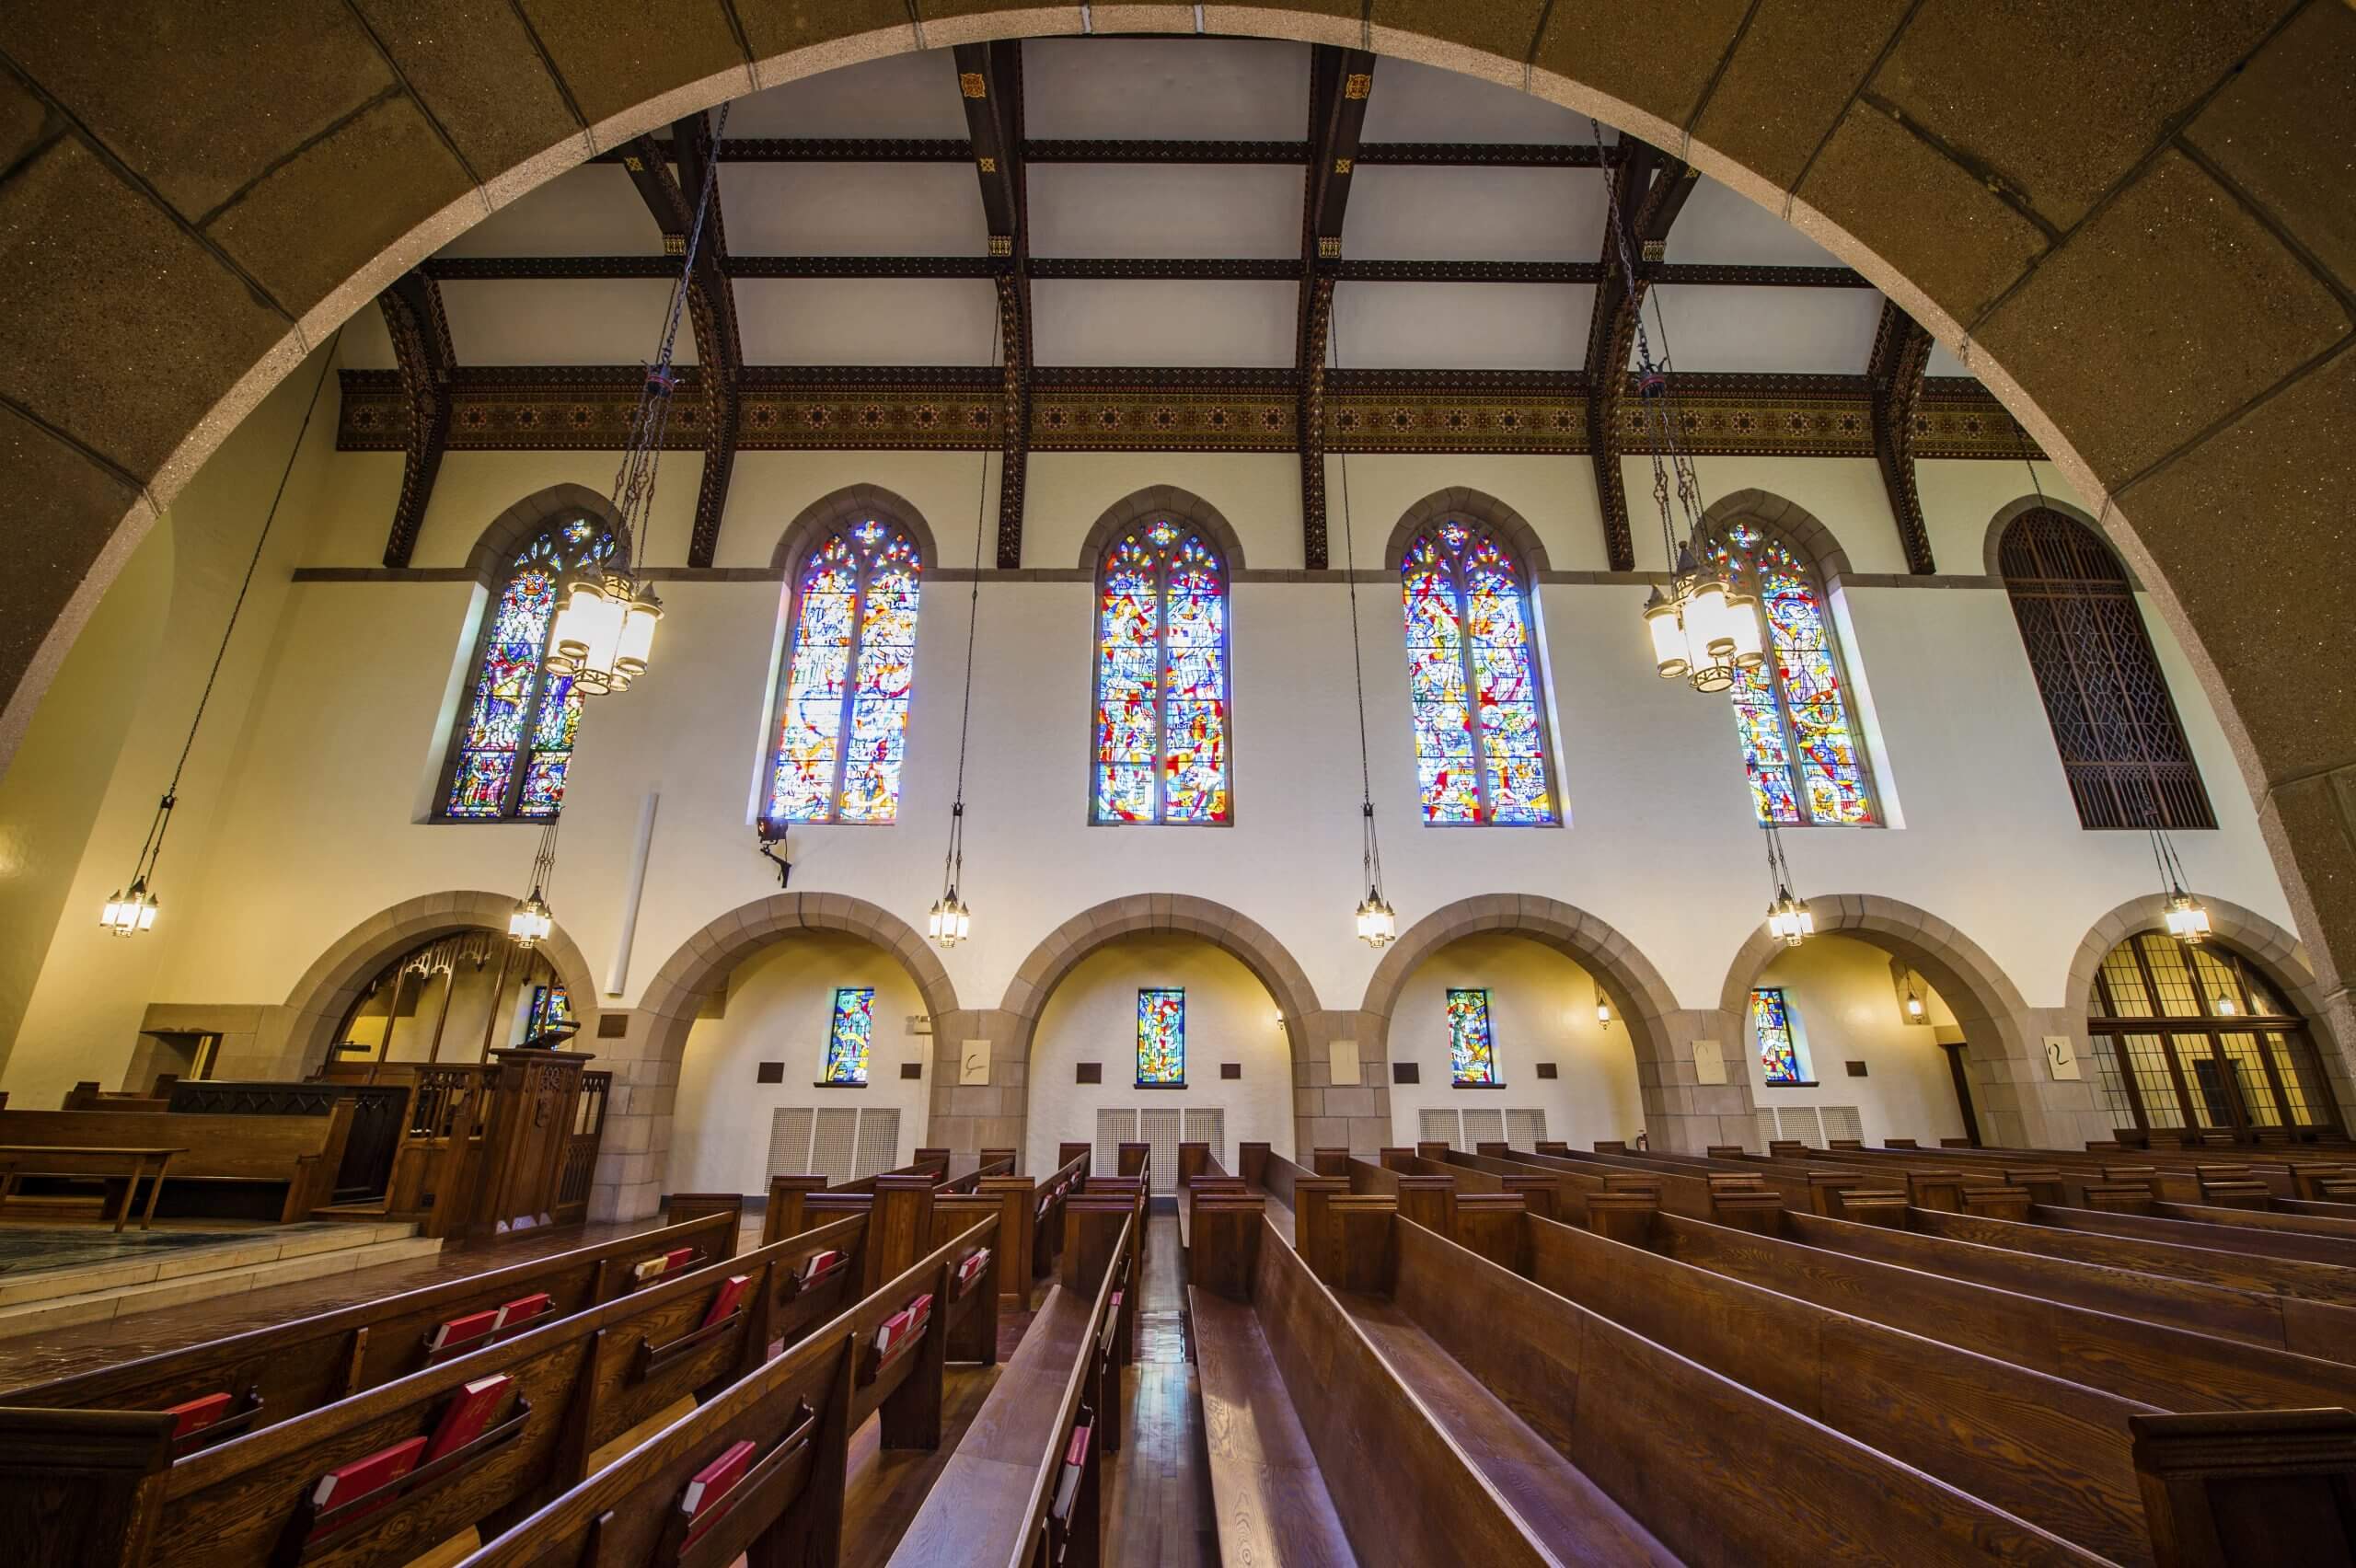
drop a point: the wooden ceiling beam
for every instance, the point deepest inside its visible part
(412, 305)
(1340, 81)
(1894, 376)
(990, 77)
(1650, 188)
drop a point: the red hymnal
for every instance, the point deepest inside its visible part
(677, 1258)
(900, 1325)
(819, 1264)
(972, 1267)
(732, 1291)
(523, 1309)
(468, 1412)
(710, 1484)
(1075, 1466)
(458, 1330)
(356, 1481)
(197, 1414)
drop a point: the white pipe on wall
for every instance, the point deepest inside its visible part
(618, 976)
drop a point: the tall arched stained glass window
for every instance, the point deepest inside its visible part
(1799, 738)
(1779, 1047)
(1162, 678)
(2122, 748)
(1472, 680)
(513, 740)
(843, 725)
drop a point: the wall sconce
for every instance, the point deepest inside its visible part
(1602, 1012)
(770, 831)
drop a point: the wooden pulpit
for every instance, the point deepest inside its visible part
(534, 1100)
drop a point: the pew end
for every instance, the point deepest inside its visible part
(2275, 1486)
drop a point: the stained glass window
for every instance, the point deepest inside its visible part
(1799, 741)
(2123, 752)
(1162, 1037)
(1473, 683)
(552, 1009)
(514, 739)
(1162, 678)
(1472, 1054)
(1779, 1049)
(850, 1035)
(843, 725)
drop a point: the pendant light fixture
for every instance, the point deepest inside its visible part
(532, 920)
(604, 634)
(1788, 919)
(1378, 923)
(133, 908)
(950, 920)
(1704, 627)
(2186, 916)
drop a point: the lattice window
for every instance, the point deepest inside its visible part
(1162, 678)
(2197, 1034)
(843, 718)
(790, 1140)
(1439, 1127)
(1158, 1129)
(1481, 754)
(879, 1141)
(1842, 1122)
(2114, 722)
(1801, 1121)
(1525, 1130)
(1208, 1124)
(834, 1147)
(513, 741)
(1483, 1126)
(1113, 1128)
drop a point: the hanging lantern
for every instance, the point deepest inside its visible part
(1914, 1007)
(1788, 919)
(1602, 1013)
(2187, 919)
(127, 915)
(1668, 636)
(531, 920)
(1378, 922)
(951, 922)
(604, 631)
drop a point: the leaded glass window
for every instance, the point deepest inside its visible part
(1162, 678)
(1799, 739)
(2123, 749)
(1471, 1050)
(1473, 683)
(849, 1035)
(1162, 1037)
(1779, 1046)
(842, 730)
(513, 740)
(550, 1008)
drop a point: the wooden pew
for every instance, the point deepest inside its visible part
(1272, 1175)
(800, 1408)
(1024, 1488)
(2185, 1230)
(283, 1370)
(270, 1166)
(797, 1202)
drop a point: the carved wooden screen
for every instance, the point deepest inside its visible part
(2113, 721)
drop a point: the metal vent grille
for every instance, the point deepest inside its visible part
(832, 1147)
(1113, 1128)
(1438, 1126)
(1208, 1124)
(1525, 1130)
(790, 1140)
(1159, 1131)
(1767, 1133)
(1483, 1126)
(879, 1142)
(1801, 1121)
(1842, 1122)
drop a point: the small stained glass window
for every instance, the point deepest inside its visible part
(1162, 679)
(850, 1035)
(552, 1009)
(1799, 740)
(1473, 683)
(513, 740)
(1471, 1052)
(1162, 1037)
(1779, 1049)
(844, 720)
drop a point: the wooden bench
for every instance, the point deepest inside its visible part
(278, 1168)
(1024, 1485)
(128, 1165)
(285, 1369)
(579, 1384)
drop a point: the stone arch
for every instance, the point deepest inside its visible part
(1989, 1008)
(636, 1152)
(1789, 522)
(329, 987)
(850, 504)
(507, 533)
(1162, 497)
(1682, 1113)
(998, 1115)
(1992, 546)
(1457, 501)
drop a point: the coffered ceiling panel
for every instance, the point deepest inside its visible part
(1164, 210)
(1717, 224)
(1092, 322)
(590, 211)
(903, 95)
(851, 209)
(1424, 103)
(560, 321)
(1463, 326)
(1399, 212)
(867, 320)
(1822, 331)
(1165, 89)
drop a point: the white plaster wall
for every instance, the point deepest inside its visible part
(778, 1007)
(1541, 1008)
(1093, 1016)
(1848, 1008)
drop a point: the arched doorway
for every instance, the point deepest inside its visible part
(2189, 1044)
